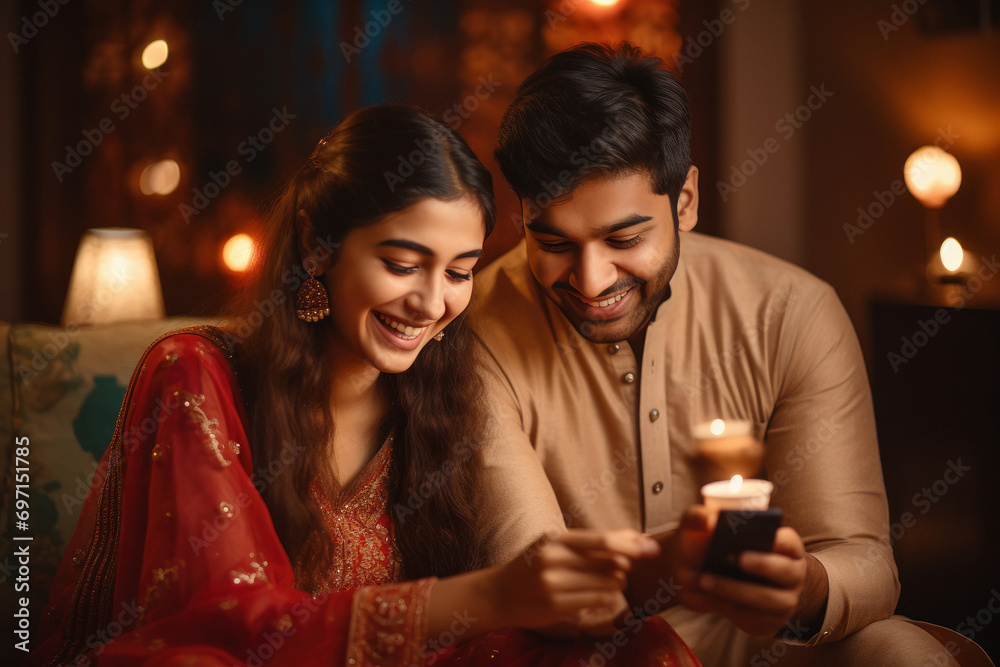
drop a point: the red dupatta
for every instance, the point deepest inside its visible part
(175, 555)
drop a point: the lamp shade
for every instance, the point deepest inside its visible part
(114, 278)
(932, 176)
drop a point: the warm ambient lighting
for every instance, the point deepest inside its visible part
(237, 252)
(114, 279)
(160, 178)
(951, 254)
(605, 3)
(155, 54)
(736, 483)
(932, 176)
(717, 427)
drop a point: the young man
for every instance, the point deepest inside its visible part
(614, 334)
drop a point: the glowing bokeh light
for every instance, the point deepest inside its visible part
(160, 178)
(952, 254)
(155, 54)
(932, 175)
(736, 483)
(238, 252)
(717, 427)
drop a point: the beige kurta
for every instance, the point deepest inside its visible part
(742, 336)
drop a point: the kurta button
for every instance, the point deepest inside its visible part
(613, 348)
(657, 487)
(654, 414)
(628, 378)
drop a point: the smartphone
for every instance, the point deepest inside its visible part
(738, 531)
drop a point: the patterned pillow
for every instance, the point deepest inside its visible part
(65, 386)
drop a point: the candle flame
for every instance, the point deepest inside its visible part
(736, 483)
(717, 427)
(951, 254)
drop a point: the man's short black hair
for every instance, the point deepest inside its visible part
(595, 110)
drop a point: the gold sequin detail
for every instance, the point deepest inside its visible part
(169, 360)
(227, 509)
(160, 451)
(209, 427)
(255, 574)
(161, 578)
(78, 558)
(226, 605)
(235, 446)
(284, 624)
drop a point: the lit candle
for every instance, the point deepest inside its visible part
(737, 494)
(727, 448)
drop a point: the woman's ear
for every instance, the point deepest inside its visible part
(305, 233)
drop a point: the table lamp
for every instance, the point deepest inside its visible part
(933, 176)
(114, 279)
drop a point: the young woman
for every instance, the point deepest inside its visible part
(289, 489)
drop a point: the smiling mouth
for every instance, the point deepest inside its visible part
(604, 303)
(404, 331)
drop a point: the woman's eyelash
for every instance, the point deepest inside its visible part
(399, 268)
(407, 270)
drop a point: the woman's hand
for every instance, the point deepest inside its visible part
(573, 577)
(562, 578)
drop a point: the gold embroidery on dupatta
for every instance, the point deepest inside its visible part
(161, 578)
(209, 427)
(254, 574)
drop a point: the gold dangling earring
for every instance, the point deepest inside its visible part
(439, 336)
(312, 302)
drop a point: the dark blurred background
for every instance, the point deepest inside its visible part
(844, 91)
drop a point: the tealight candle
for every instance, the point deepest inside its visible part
(727, 448)
(737, 494)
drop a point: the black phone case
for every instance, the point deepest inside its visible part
(738, 531)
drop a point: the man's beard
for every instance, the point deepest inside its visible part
(653, 293)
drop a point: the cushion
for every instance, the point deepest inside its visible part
(65, 386)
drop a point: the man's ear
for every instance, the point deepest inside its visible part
(687, 201)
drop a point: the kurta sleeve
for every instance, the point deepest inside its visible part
(517, 505)
(200, 571)
(822, 439)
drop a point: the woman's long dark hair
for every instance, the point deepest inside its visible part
(377, 161)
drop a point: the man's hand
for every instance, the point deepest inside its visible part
(798, 592)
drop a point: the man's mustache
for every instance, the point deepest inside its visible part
(619, 286)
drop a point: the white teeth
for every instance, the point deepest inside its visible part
(605, 303)
(406, 332)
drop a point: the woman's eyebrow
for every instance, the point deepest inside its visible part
(424, 250)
